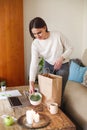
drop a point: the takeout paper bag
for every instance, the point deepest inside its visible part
(50, 86)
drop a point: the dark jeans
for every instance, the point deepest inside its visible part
(63, 71)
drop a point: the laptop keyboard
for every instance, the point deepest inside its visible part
(14, 101)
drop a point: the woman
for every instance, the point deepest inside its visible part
(52, 46)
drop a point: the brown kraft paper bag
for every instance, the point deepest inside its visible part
(50, 86)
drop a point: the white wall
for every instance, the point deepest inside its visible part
(67, 16)
(85, 25)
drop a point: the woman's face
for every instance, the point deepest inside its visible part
(39, 33)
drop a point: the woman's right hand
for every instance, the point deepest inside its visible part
(31, 87)
(58, 63)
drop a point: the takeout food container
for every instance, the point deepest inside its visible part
(35, 98)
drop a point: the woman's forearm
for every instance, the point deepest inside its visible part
(31, 86)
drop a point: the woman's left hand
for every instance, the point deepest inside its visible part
(58, 63)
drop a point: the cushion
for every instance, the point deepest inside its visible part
(84, 57)
(85, 79)
(78, 61)
(76, 72)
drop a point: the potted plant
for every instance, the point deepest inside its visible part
(40, 68)
(41, 64)
(3, 85)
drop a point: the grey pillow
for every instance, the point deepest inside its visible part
(85, 79)
(77, 61)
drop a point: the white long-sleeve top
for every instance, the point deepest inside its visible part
(55, 46)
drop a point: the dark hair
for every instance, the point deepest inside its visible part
(37, 22)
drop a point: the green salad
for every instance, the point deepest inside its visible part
(35, 97)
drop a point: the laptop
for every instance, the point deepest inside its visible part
(18, 101)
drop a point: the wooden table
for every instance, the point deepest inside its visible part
(58, 121)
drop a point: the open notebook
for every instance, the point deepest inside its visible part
(9, 93)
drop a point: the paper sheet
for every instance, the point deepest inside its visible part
(5, 94)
